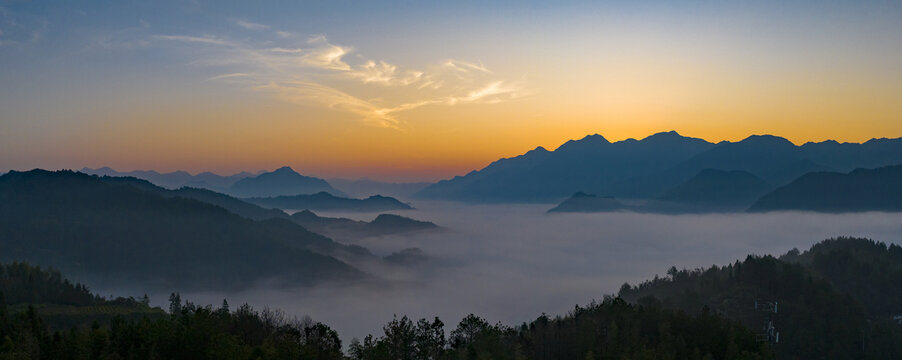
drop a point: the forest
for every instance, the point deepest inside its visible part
(836, 299)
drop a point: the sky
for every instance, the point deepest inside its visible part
(409, 91)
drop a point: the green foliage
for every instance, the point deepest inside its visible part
(825, 297)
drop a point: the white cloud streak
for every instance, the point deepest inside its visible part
(317, 73)
(251, 26)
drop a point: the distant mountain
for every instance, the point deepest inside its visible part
(122, 234)
(176, 179)
(232, 204)
(771, 158)
(647, 168)
(719, 188)
(326, 201)
(860, 190)
(709, 191)
(366, 187)
(582, 202)
(282, 181)
(384, 224)
(592, 164)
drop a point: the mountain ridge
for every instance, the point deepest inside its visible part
(646, 168)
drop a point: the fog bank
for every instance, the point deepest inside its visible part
(511, 263)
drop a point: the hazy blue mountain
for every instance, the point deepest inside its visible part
(232, 204)
(326, 201)
(860, 190)
(592, 164)
(282, 181)
(845, 157)
(383, 224)
(647, 168)
(408, 257)
(365, 187)
(719, 188)
(120, 233)
(582, 202)
(771, 158)
(176, 179)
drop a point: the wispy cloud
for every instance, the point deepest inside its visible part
(300, 92)
(228, 76)
(195, 39)
(251, 26)
(319, 72)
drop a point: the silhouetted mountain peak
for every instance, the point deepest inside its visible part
(588, 142)
(285, 170)
(766, 140)
(537, 151)
(672, 134)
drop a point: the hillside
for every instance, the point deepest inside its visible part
(326, 201)
(341, 228)
(282, 181)
(860, 190)
(118, 233)
(819, 314)
(61, 303)
(582, 202)
(719, 188)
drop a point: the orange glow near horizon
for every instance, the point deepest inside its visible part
(412, 101)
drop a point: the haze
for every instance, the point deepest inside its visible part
(512, 263)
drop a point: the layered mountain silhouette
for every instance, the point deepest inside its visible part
(719, 188)
(859, 190)
(282, 181)
(175, 179)
(326, 201)
(648, 168)
(366, 187)
(582, 202)
(383, 224)
(110, 230)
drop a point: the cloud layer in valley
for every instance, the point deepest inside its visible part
(512, 263)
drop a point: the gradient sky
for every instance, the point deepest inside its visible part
(416, 91)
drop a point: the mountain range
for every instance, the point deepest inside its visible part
(175, 179)
(343, 228)
(326, 201)
(650, 167)
(282, 181)
(125, 230)
(859, 190)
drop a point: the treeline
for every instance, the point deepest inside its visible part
(834, 301)
(192, 332)
(23, 283)
(611, 329)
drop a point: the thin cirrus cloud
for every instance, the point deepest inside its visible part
(318, 72)
(251, 26)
